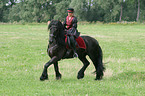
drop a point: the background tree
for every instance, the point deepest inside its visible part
(80, 9)
(61, 10)
(85, 10)
(142, 10)
(5, 5)
(138, 11)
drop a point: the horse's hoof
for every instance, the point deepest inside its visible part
(80, 76)
(43, 77)
(98, 79)
(58, 77)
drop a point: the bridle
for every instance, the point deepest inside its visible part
(52, 35)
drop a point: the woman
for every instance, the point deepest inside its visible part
(70, 24)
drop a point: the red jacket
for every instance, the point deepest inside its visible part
(71, 26)
(70, 23)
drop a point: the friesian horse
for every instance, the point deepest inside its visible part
(57, 50)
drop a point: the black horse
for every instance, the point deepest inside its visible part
(57, 50)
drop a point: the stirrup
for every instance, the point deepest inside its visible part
(75, 55)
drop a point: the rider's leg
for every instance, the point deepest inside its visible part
(73, 45)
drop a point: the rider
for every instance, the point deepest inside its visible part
(72, 32)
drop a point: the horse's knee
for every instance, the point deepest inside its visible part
(46, 66)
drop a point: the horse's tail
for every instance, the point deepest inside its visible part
(100, 55)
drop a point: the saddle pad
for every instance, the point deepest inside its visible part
(80, 41)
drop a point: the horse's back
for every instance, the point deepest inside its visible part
(92, 46)
(90, 40)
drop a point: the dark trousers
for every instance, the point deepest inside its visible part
(72, 43)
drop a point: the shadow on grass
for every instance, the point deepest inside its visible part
(130, 76)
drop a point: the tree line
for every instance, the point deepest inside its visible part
(85, 10)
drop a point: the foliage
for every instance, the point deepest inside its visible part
(85, 10)
(61, 8)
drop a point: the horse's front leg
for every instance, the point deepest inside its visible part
(44, 75)
(56, 68)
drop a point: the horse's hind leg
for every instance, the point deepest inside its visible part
(82, 70)
(56, 68)
(99, 69)
(97, 61)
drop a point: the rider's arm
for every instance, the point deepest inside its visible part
(74, 23)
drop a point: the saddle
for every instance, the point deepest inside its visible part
(79, 40)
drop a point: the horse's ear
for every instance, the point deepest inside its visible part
(59, 20)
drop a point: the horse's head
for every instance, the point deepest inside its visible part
(56, 31)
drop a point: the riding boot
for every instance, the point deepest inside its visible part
(75, 54)
(73, 45)
(74, 49)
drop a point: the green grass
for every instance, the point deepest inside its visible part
(23, 54)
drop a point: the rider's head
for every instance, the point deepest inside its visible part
(70, 12)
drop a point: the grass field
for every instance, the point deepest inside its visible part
(23, 54)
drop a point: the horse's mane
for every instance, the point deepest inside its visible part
(60, 38)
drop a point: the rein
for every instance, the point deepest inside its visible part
(50, 49)
(53, 27)
(51, 35)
